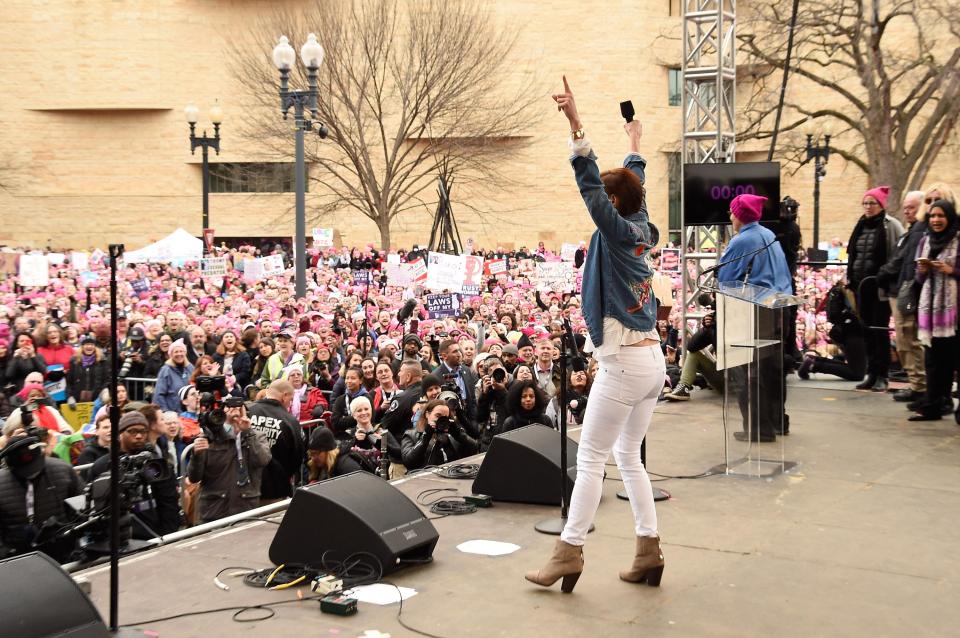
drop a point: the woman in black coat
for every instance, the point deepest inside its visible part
(526, 404)
(88, 373)
(231, 349)
(24, 360)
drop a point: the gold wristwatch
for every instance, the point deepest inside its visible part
(578, 134)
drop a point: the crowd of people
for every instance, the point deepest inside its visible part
(336, 382)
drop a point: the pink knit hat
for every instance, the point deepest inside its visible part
(880, 193)
(748, 208)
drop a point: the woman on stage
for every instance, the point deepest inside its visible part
(620, 310)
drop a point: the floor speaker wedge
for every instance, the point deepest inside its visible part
(40, 600)
(523, 466)
(357, 512)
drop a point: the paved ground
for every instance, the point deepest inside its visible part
(859, 540)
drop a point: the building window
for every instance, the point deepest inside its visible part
(252, 177)
(673, 194)
(673, 82)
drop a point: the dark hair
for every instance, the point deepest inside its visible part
(238, 344)
(445, 345)
(429, 381)
(516, 392)
(627, 187)
(151, 412)
(355, 369)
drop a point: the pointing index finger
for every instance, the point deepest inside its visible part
(566, 87)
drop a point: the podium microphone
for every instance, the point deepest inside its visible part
(626, 110)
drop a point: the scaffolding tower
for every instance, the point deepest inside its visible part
(708, 78)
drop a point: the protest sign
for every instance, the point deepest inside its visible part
(89, 279)
(9, 263)
(80, 415)
(362, 277)
(213, 267)
(568, 251)
(670, 260)
(97, 256)
(322, 237)
(55, 259)
(443, 305)
(393, 258)
(272, 264)
(34, 270)
(558, 276)
(418, 270)
(495, 266)
(79, 261)
(252, 270)
(445, 272)
(141, 285)
(56, 390)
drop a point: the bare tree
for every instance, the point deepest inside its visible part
(889, 71)
(407, 87)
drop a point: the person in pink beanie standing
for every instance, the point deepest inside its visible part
(872, 244)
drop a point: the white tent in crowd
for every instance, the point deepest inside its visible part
(177, 247)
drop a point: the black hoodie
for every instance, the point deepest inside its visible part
(285, 436)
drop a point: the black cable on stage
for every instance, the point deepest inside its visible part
(664, 477)
(445, 505)
(459, 471)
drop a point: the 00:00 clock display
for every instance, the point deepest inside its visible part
(729, 192)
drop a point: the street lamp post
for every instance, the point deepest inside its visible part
(192, 114)
(820, 154)
(284, 57)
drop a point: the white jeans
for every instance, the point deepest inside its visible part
(621, 403)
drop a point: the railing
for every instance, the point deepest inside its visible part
(139, 388)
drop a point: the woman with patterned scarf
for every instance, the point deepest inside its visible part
(938, 269)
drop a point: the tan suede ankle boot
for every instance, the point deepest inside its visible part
(566, 562)
(647, 564)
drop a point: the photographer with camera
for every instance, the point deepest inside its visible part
(133, 353)
(24, 361)
(34, 409)
(156, 505)
(33, 487)
(451, 369)
(228, 461)
(436, 439)
(492, 409)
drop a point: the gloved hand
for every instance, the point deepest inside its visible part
(72, 403)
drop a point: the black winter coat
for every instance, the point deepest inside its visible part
(91, 379)
(18, 368)
(56, 483)
(285, 437)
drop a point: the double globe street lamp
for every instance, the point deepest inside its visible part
(284, 57)
(192, 114)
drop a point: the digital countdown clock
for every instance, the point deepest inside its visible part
(708, 190)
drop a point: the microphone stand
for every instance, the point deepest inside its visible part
(554, 526)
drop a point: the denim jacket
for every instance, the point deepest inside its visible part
(617, 272)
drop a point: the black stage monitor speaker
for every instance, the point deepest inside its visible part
(356, 512)
(523, 466)
(40, 600)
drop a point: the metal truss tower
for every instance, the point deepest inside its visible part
(708, 77)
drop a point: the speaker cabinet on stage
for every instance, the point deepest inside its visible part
(523, 466)
(40, 600)
(356, 512)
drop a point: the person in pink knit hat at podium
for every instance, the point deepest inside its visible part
(754, 256)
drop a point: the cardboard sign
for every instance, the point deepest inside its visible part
(322, 237)
(208, 235)
(445, 272)
(213, 267)
(443, 305)
(34, 270)
(78, 417)
(418, 270)
(9, 263)
(398, 275)
(556, 276)
(56, 259)
(670, 260)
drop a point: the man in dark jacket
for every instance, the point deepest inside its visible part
(48, 479)
(158, 504)
(898, 275)
(99, 445)
(397, 418)
(229, 465)
(271, 418)
(452, 370)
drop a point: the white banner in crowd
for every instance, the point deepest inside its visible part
(445, 272)
(252, 270)
(34, 270)
(568, 251)
(272, 264)
(80, 261)
(322, 237)
(558, 276)
(213, 267)
(56, 259)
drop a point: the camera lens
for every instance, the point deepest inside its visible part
(217, 417)
(153, 470)
(499, 375)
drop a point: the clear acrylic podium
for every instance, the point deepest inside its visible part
(750, 353)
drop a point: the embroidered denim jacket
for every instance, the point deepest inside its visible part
(617, 271)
